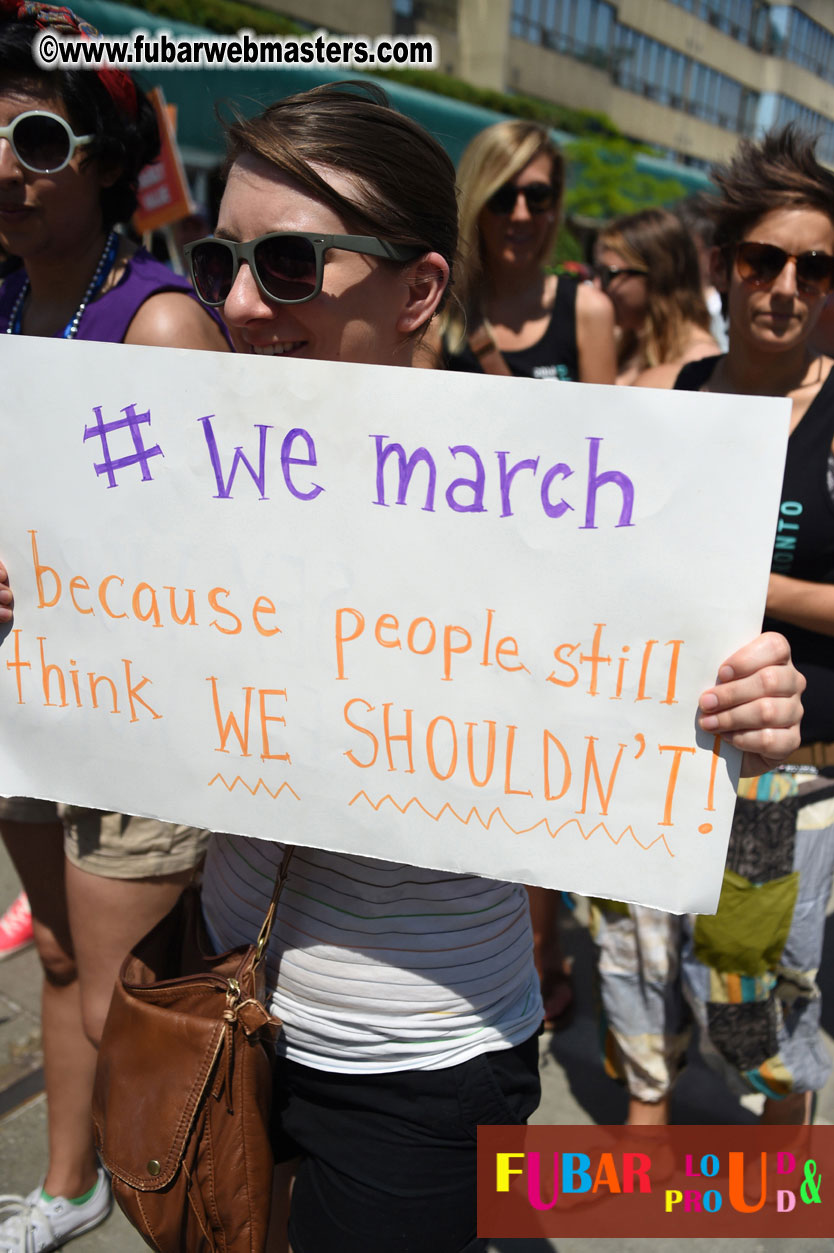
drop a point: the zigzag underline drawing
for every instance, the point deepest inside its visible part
(475, 815)
(230, 787)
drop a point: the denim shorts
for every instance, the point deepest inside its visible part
(388, 1160)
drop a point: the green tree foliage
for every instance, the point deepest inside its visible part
(604, 181)
(560, 117)
(566, 248)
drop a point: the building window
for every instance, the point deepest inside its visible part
(736, 18)
(778, 29)
(578, 28)
(660, 73)
(403, 17)
(797, 38)
(774, 110)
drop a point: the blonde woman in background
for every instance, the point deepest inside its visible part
(512, 316)
(647, 265)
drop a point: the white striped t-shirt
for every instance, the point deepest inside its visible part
(383, 966)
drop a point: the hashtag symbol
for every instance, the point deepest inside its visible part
(140, 456)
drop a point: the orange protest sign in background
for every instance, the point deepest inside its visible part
(164, 196)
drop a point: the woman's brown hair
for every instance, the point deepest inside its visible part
(656, 240)
(405, 182)
(123, 142)
(779, 172)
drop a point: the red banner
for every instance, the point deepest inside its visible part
(586, 1181)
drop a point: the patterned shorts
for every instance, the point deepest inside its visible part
(747, 974)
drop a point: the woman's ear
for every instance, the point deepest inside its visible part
(426, 281)
(109, 172)
(719, 269)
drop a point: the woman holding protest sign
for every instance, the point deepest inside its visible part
(335, 242)
(749, 973)
(512, 316)
(71, 148)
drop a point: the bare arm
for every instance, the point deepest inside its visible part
(658, 376)
(803, 604)
(595, 336)
(173, 320)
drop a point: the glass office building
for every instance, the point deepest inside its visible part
(687, 76)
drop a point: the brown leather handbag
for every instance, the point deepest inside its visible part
(184, 1087)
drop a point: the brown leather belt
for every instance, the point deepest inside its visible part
(819, 754)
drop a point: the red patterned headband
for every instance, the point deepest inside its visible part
(118, 85)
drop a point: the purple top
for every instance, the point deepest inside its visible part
(107, 319)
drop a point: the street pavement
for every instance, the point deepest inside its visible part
(575, 1091)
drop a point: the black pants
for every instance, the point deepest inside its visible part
(388, 1160)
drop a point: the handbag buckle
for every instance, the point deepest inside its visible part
(263, 936)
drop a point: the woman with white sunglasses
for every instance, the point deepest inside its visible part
(71, 148)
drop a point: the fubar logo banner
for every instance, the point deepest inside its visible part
(586, 1181)
(449, 620)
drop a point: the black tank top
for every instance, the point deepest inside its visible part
(554, 356)
(804, 543)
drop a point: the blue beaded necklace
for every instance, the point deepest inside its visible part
(105, 265)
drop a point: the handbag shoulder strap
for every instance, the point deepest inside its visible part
(482, 344)
(269, 921)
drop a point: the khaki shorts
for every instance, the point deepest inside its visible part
(119, 846)
(115, 846)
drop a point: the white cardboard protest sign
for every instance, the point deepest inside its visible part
(456, 621)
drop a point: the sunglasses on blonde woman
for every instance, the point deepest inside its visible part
(759, 265)
(288, 266)
(539, 198)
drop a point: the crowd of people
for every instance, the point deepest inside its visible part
(375, 1137)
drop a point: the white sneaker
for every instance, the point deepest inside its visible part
(34, 1225)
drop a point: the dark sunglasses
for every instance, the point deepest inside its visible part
(43, 142)
(539, 198)
(288, 266)
(607, 273)
(761, 264)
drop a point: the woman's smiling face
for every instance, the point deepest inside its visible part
(358, 314)
(518, 237)
(627, 291)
